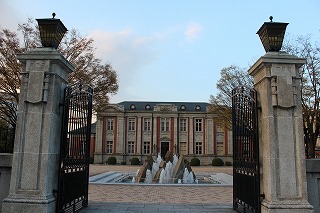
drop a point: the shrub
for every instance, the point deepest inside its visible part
(228, 163)
(123, 163)
(195, 162)
(112, 160)
(217, 162)
(135, 161)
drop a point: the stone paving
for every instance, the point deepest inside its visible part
(140, 198)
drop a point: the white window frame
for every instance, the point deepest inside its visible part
(184, 145)
(198, 148)
(110, 124)
(131, 145)
(165, 124)
(147, 124)
(131, 124)
(198, 124)
(109, 147)
(146, 147)
(183, 124)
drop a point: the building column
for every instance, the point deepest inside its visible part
(98, 147)
(191, 136)
(204, 141)
(209, 134)
(120, 135)
(38, 132)
(283, 179)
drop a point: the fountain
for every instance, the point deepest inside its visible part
(170, 170)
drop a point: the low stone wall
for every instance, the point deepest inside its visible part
(313, 181)
(5, 175)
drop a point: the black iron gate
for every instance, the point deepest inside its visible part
(246, 177)
(75, 149)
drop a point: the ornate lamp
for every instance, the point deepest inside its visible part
(271, 35)
(51, 31)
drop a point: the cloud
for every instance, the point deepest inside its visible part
(128, 54)
(131, 54)
(8, 20)
(192, 31)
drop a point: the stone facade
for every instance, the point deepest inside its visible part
(283, 180)
(138, 129)
(35, 162)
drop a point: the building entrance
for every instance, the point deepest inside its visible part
(164, 148)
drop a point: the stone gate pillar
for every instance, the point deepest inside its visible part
(38, 132)
(283, 172)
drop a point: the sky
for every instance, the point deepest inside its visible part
(170, 50)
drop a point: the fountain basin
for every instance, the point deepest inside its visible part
(203, 179)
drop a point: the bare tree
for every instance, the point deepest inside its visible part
(231, 77)
(302, 46)
(9, 76)
(77, 49)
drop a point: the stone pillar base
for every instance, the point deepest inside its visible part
(29, 205)
(286, 208)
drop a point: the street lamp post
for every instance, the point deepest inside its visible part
(271, 35)
(51, 31)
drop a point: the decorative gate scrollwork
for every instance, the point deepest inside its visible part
(75, 149)
(246, 173)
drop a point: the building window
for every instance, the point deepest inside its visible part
(183, 125)
(198, 148)
(110, 124)
(130, 147)
(183, 148)
(220, 150)
(165, 124)
(147, 124)
(132, 106)
(131, 124)
(198, 125)
(146, 147)
(109, 147)
(220, 137)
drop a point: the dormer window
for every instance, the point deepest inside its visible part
(147, 107)
(197, 107)
(132, 106)
(183, 107)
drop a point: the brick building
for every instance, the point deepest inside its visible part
(137, 129)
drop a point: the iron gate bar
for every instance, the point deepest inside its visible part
(75, 149)
(246, 171)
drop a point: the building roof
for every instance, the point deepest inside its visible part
(149, 105)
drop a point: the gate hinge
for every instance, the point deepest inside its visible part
(61, 104)
(262, 196)
(55, 191)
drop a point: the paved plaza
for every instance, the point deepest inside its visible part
(141, 198)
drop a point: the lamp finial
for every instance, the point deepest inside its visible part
(271, 18)
(53, 15)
